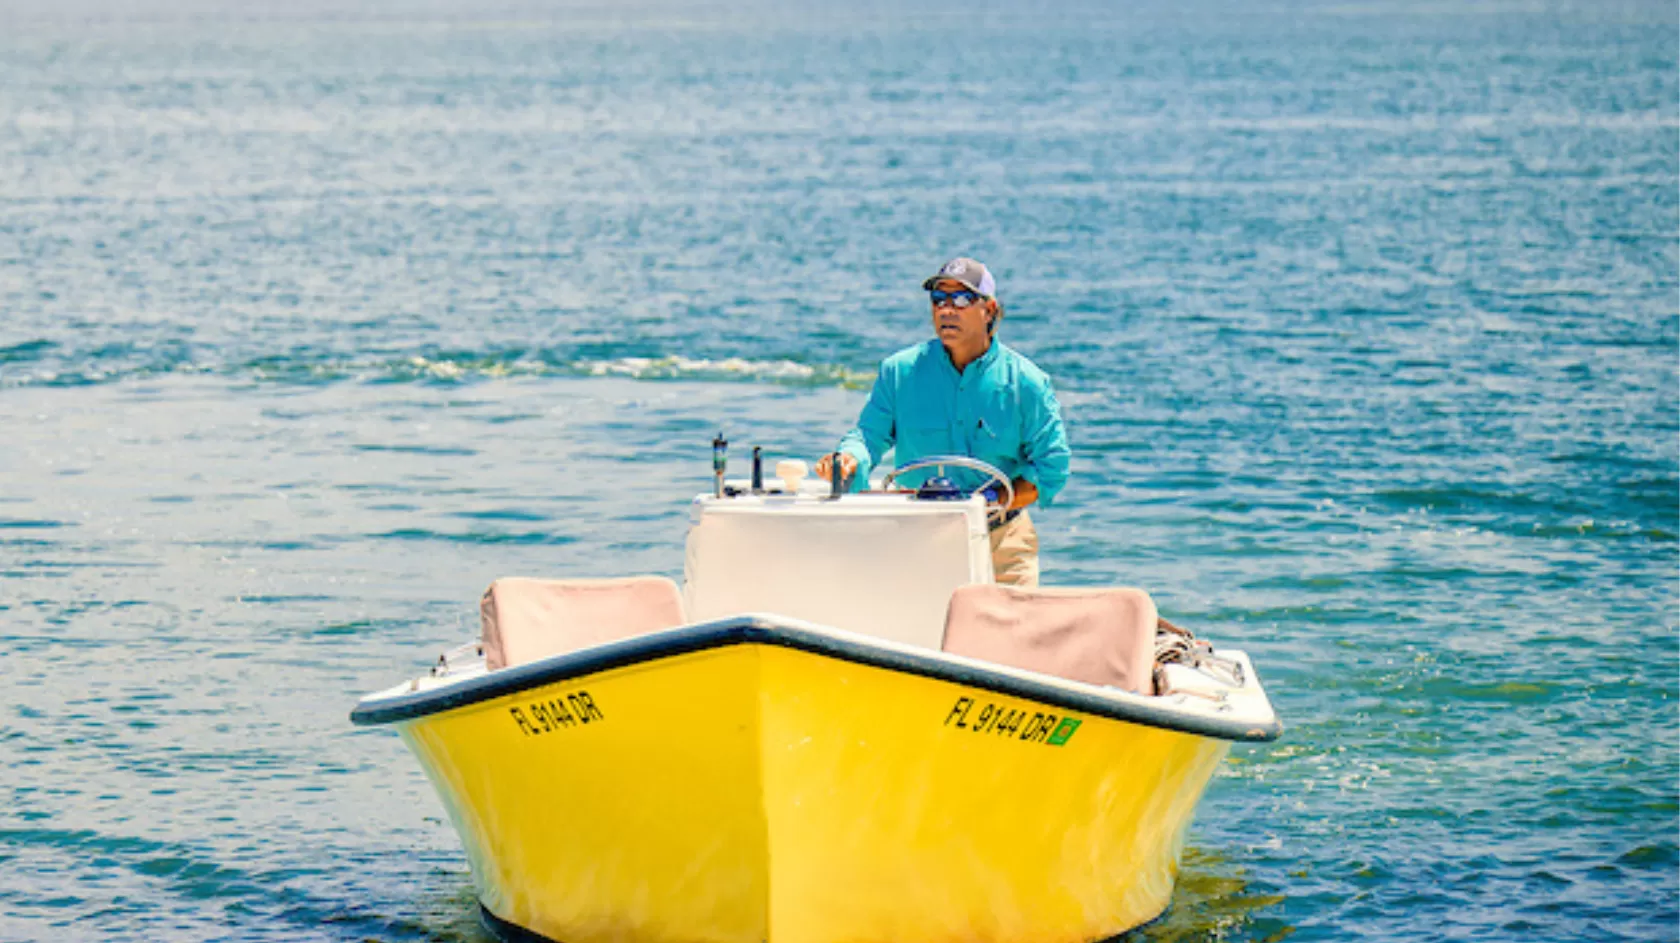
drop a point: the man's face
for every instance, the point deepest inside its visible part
(961, 327)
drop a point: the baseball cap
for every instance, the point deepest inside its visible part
(969, 272)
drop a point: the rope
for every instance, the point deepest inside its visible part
(1179, 646)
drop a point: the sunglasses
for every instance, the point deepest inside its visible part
(955, 299)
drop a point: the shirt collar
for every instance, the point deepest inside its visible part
(981, 362)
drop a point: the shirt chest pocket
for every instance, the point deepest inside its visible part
(997, 432)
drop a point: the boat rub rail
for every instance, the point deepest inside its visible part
(758, 630)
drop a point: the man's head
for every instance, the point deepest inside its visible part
(965, 306)
(973, 274)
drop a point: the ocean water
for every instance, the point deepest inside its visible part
(314, 320)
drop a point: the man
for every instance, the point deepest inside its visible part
(966, 393)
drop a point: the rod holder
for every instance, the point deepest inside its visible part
(758, 470)
(720, 461)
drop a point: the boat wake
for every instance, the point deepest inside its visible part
(43, 364)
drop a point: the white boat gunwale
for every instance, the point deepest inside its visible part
(756, 629)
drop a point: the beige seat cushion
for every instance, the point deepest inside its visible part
(527, 619)
(1103, 636)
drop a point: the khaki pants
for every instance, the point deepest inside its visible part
(1015, 552)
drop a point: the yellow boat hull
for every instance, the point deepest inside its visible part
(750, 791)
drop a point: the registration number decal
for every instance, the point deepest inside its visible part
(551, 715)
(1011, 723)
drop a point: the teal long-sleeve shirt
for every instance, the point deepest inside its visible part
(1000, 409)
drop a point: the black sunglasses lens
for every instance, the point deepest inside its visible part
(960, 299)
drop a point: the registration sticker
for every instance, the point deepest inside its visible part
(1064, 731)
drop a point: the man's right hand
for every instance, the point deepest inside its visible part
(848, 466)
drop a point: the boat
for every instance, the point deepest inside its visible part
(837, 729)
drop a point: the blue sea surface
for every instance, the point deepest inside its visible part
(1365, 318)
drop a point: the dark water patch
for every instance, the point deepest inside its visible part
(1659, 856)
(1409, 575)
(417, 449)
(1484, 501)
(86, 840)
(503, 515)
(1589, 795)
(60, 612)
(89, 565)
(1306, 614)
(145, 696)
(367, 627)
(1323, 583)
(1510, 692)
(27, 351)
(373, 488)
(233, 654)
(478, 537)
(1657, 492)
(18, 523)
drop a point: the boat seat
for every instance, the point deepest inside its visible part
(1099, 635)
(528, 619)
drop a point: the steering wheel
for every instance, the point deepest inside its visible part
(961, 461)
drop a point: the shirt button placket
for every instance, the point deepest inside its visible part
(963, 430)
